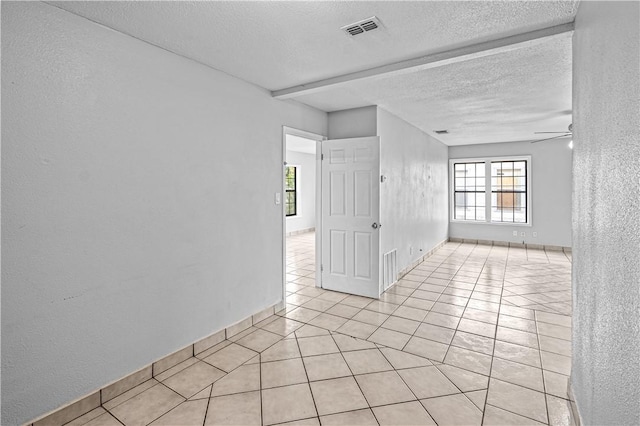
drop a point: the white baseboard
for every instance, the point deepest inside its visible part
(418, 261)
(98, 397)
(511, 244)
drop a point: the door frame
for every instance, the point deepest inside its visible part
(286, 130)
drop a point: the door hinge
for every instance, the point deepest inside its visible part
(321, 268)
(321, 157)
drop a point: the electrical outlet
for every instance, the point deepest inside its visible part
(515, 233)
(523, 234)
(535, 234)
(410, 250)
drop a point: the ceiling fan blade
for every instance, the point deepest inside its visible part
(548, 139)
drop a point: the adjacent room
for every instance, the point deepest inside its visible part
(320, 213)
(300, 209)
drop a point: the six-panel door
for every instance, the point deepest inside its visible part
(350, 215)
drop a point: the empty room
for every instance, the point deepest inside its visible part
(320, 213)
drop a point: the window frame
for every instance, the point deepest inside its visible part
(295, 190)
(455, 191)
(488, 189)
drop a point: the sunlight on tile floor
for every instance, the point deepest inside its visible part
(473, 335)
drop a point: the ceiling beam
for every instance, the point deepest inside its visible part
(434, 60)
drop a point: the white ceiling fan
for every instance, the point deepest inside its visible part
(569, 132)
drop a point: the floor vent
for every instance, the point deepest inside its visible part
(390, 268)
(363, 26)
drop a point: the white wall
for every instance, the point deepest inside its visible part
(413, 199)
(306, 175)
(353, 123)
(606, 222)
(550, 193)
(131, 181)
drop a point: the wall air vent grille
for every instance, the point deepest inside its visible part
(389, 268)
(361, 27)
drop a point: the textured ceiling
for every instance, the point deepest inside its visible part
(277, 45)
(281, 44)
(499, 98)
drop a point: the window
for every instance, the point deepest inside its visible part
(290, 186)
(469, 192)
(509, 191)
(491, 190)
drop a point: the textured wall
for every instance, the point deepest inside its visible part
(606, 221)
(306, 214)
(413, 199)
(550, 192)
(137, 204)
(352, 123)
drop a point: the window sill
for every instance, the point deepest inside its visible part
(474, 222)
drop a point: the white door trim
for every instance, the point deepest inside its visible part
(286, 130)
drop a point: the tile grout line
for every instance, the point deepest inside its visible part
(315, 406)
(465, 307)
(455, 330)
(434, 302)
(354, 377)
(206, 411)
(260, 386)
(422, 322)
(440, 264)
(526, 387)
(172, 408)
(411, 390)
(486, 398)
(451, 344)
(544, 387)
(119, 404)
(427, 310)
(445, 266)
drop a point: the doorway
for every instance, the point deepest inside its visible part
(342, 191)
(301, 154)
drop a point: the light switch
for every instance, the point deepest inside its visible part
(277, 198)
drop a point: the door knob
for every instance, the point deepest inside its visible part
(376, 225)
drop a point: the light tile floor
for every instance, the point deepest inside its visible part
(473, 335)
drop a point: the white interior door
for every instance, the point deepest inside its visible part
(350, 215)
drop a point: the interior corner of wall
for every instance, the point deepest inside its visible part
(575, 409)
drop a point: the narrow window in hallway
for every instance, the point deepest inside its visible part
(473, 335)
(291, 184)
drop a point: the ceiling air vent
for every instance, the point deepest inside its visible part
(361, 27)
(441, 132)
